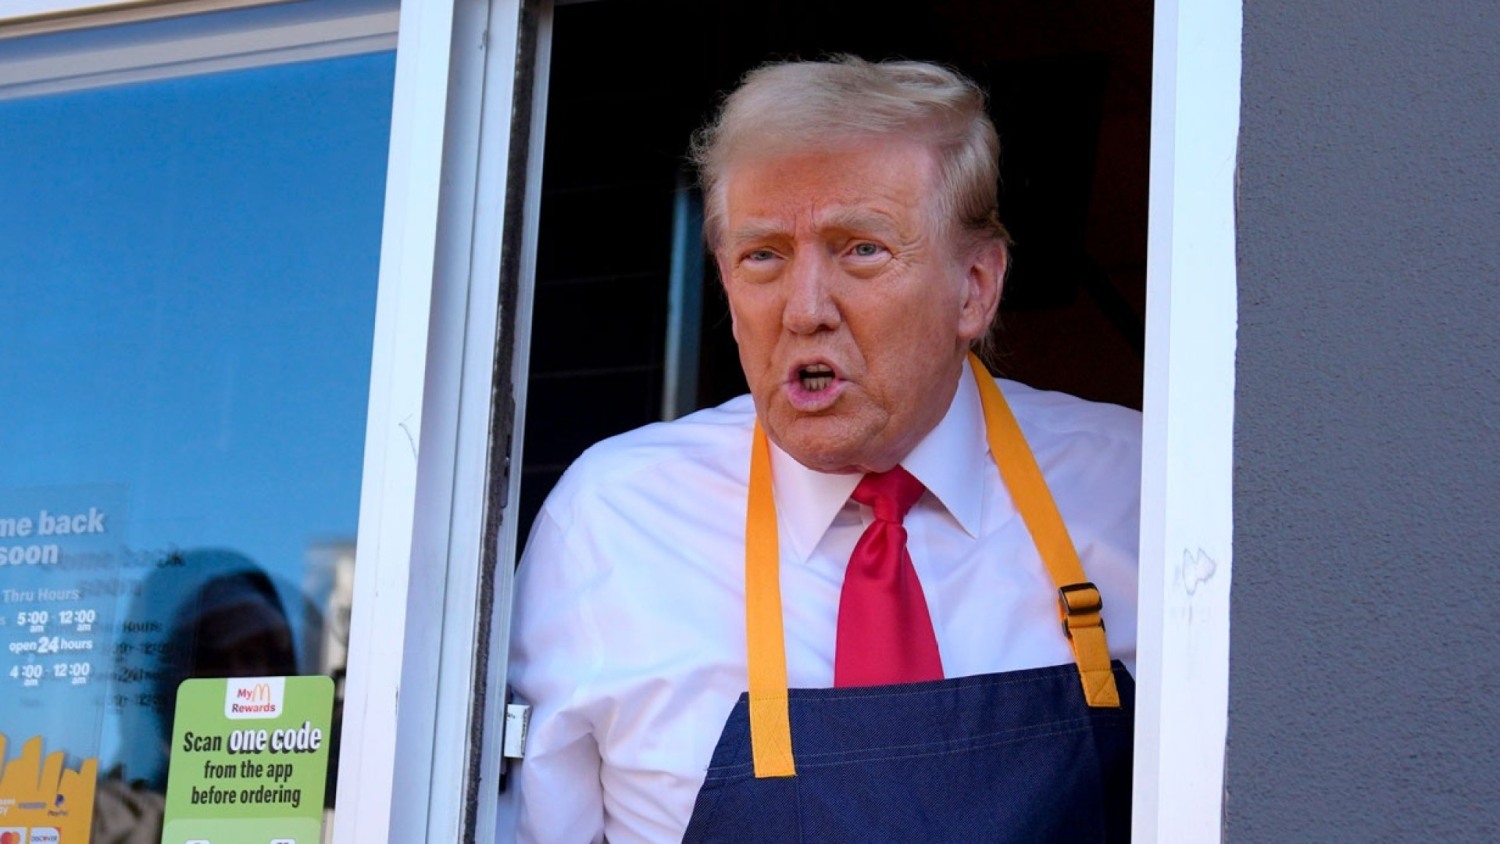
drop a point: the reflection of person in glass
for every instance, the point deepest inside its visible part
(236, 627)
(226, 620)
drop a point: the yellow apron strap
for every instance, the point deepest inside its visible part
(770, 727)
(1079, 603)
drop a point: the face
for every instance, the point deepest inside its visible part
(852, 307)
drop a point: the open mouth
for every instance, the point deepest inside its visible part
(815, 377)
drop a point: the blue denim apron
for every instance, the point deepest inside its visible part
(1021, 756)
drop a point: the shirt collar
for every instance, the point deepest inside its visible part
(951, 461)
(944, 461)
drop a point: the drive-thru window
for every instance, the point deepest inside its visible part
(306, 305)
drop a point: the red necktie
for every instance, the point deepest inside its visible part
(885, 634)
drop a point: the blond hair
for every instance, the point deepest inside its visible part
(798, 105)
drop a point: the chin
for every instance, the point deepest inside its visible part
(828, 464)
(835, 442)
(836, 456)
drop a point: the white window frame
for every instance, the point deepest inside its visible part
(424, 499)
(28, 17)
(1186, 475)
(424, 517)
(289, 33)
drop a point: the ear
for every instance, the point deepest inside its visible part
(984, 275)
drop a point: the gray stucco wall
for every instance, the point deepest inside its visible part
(1364, 700)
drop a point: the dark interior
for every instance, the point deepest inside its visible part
(1070, 88)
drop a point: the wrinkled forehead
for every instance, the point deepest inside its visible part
(872, 183)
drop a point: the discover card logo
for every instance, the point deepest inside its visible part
(254, 697)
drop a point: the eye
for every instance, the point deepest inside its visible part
(865, 249)
(758, 263)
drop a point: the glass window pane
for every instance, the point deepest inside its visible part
(187, 291)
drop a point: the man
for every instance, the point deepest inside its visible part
(844, 530)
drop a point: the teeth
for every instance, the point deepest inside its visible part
(818, 376)
(817, 383)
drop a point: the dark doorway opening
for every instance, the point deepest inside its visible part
(1069, 86)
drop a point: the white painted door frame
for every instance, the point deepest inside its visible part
(432, 590)
(1186, 476)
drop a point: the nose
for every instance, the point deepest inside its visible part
(810, 305)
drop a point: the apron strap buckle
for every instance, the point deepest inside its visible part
(1081, 608)
(1080, 605)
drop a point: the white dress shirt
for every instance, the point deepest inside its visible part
(629, 627)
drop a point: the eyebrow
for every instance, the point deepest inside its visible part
(857, 220)
(753, 230)
(838, 219)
